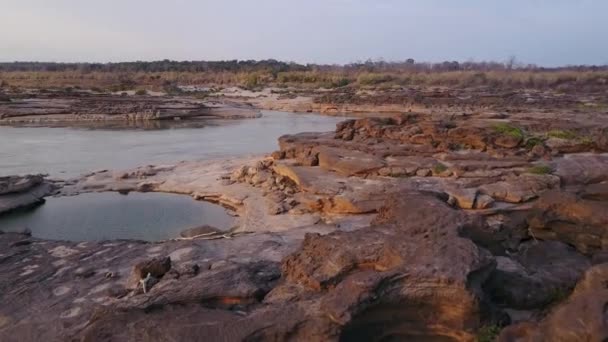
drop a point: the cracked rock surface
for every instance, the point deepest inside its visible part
(412, 227)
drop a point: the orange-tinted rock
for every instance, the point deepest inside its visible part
(563, 216)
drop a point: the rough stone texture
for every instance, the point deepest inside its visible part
(564, 216)
(69, 286)
(582, 168)
(411, 264)
(465, 198)
(91, 107)
(411, 227)
(582, 317)
(154, 267)
(537, 275)
(521, 188)
(198, 231)
(13, 184)
(348, 163)
(18, 192)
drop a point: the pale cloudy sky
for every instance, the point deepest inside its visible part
(546, 32)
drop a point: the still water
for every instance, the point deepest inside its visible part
(108, 215)
(66, 152)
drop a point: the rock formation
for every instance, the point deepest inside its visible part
(412, 227)
(21, 192)
(42, 108)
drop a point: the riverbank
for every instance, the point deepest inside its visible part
(86, 106)
(199, 103)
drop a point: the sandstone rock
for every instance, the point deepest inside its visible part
(198, 231)
(582, 168)
(154, 267)
(348, 162)
(483, 202)
(580, 318)
(311, 179)
(539, 274)
(278, 155)
(412, 264)
(517, 189)
(424, 173)
(12, 184)
(465, 198)
(539, 150)
(558, 145)
(26, 198)
(559, 215)
(596, 192)
(507, 141)
(239, 174)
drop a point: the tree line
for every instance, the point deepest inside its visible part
(275, 67)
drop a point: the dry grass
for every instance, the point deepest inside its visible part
(565, 80)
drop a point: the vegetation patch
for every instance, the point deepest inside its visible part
(534, 141)
(439, 168)
(561, 134)
(540, 170)
(558, 295)
(374, 78)
(510, 130)
(141, 92)
(586, 140)
(488, 333)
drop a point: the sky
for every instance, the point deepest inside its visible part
(543, 32)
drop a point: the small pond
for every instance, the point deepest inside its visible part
(109, 215)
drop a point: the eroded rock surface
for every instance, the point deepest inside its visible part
(582, 317)
(95, 107)
(21, 192)
(413, 227)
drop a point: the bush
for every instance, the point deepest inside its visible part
(533, 141)
(557, 133)
(488, 333)
(439, 168)
(374, 79)
(540, 169)
(510, 130)
(341, 82)
(141, 92)
(251, 81)
(171, 88)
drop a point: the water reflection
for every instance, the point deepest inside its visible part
(70, 151)
(143, 125)
(105, 216)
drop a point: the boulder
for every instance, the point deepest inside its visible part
(565, 216)
(576, 169)
(465, 198)
(518, 189)
(538, 274)
(27, 197)
(13, 184)
(348, 162)
(596, 192)
(582, 317)
(408, 276)
(155, 267)
(198, 231)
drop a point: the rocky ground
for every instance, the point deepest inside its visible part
(429, 227)
(38, 107)
(397, 99)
